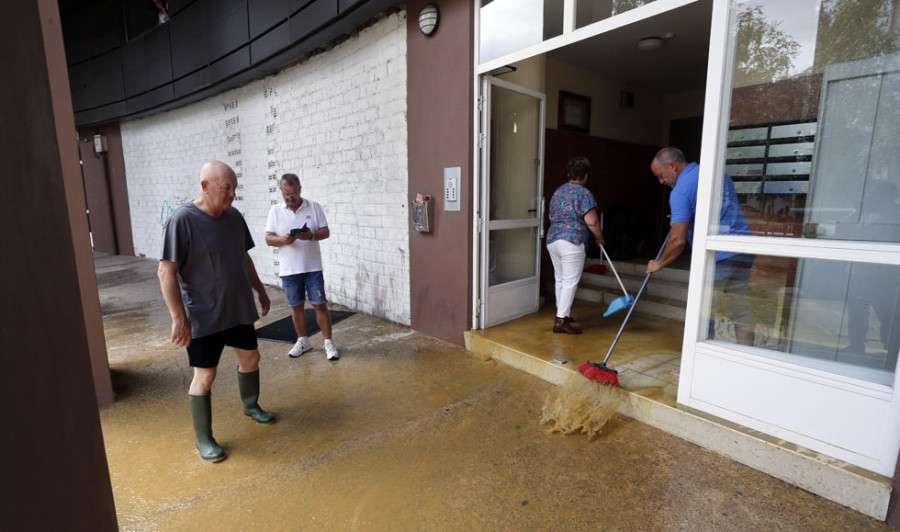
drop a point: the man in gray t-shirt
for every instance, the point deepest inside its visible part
(207, 280)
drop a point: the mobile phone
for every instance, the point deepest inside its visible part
(295, 231)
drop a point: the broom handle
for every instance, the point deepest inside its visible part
(601, 230)
(638, 296)
(614, 270)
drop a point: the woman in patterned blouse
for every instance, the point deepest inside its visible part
(573, 212)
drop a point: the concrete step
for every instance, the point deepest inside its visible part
(639, 269)
(660, 287)
(661, 307)
(664, 297)
(824, 476)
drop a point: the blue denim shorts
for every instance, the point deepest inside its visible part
(312, 284)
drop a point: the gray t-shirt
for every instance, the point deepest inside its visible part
(212, 269)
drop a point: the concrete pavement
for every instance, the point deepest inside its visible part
(405, 432)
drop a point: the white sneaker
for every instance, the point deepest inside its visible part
(331, 352)
(300, 346)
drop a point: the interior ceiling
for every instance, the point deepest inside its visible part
(680, 65)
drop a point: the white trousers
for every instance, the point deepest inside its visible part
(568, 263)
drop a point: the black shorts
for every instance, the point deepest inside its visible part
(205, 352)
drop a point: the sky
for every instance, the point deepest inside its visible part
(799, 19)
(510, 25)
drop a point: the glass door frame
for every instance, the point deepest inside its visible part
(704, 363)
(570, 35)
(483, 223)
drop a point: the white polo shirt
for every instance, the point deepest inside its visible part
(303, 256)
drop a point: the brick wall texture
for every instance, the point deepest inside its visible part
(338, 120)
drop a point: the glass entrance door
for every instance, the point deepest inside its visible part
(512, 128)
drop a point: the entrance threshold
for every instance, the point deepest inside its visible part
(648, 358)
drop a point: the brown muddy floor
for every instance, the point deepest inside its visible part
(405, 432)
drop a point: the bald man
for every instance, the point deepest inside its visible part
(207, 280)
(732, 273)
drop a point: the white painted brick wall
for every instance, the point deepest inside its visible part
(338, 120)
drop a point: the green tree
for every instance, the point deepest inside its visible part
(621, 6)
(764, 52)
(855, 29)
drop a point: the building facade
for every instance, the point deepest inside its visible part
(798, 102)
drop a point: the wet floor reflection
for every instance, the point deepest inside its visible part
(408, 432)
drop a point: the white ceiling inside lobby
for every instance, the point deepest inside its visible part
(679, 65)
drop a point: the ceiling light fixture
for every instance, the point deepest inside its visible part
(650, 44)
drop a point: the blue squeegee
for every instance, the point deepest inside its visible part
(619, 303)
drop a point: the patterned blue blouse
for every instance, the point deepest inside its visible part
(568, 206)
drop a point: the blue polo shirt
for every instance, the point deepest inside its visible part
(683, 202)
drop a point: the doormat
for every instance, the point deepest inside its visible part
(283, 329)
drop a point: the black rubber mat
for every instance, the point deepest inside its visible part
(283, 329)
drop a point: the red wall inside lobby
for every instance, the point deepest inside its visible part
(620, 179)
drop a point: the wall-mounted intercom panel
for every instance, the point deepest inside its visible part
(452, 178)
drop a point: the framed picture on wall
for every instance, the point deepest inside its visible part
(574, 112)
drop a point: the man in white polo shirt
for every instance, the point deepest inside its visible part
(296, 226)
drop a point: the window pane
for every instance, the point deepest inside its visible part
(590, 11)
(840, 317)
(515, 154)
(815, 117)
(512, 255)
(511, 25)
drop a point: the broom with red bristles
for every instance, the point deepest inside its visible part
(599, 372)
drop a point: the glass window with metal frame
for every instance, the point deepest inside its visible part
(511, 25)
(812, 153)
(590, 11)
(515, 134)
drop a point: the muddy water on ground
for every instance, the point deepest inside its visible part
(580, 405)
(406, 432)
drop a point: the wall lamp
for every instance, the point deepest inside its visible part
(100, 144)
(428, 19)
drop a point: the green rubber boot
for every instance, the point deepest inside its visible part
(201, 412)
(248, 384)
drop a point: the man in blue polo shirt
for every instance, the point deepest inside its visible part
(732, 272)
